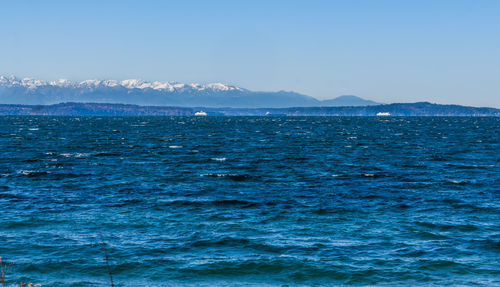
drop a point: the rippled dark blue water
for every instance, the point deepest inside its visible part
(237, 201)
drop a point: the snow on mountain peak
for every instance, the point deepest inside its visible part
(7, 79)
(61, 83)
(111, 83)
(132, 84)
(90, 83)
(31, 83)
(218, 87)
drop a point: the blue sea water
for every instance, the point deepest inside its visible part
(251, 201)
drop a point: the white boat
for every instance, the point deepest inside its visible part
(383, 114)
(201, 113)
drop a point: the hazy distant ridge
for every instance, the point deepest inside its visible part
(38, 92)
(102, 109)
(396, 109)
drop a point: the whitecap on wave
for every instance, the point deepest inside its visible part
(232, 176)
(76, 154)
(217, 174)
(32, 172)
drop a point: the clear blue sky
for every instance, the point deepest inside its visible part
(388, 51)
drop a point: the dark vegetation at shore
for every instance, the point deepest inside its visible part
(107, 260)
(99, 109)
(4, 267)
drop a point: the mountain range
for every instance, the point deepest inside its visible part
(28, 91)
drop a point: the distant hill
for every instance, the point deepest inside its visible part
(103, 109)
(37, 92)
(397, 109)
(347, 100)
(93, 109)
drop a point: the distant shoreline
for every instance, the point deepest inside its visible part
(112, 109)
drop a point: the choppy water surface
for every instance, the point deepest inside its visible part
(251, 201)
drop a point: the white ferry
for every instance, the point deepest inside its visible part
(201, 113)
(383, 114)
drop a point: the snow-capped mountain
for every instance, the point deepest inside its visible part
(30, 91)
(30, 83)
